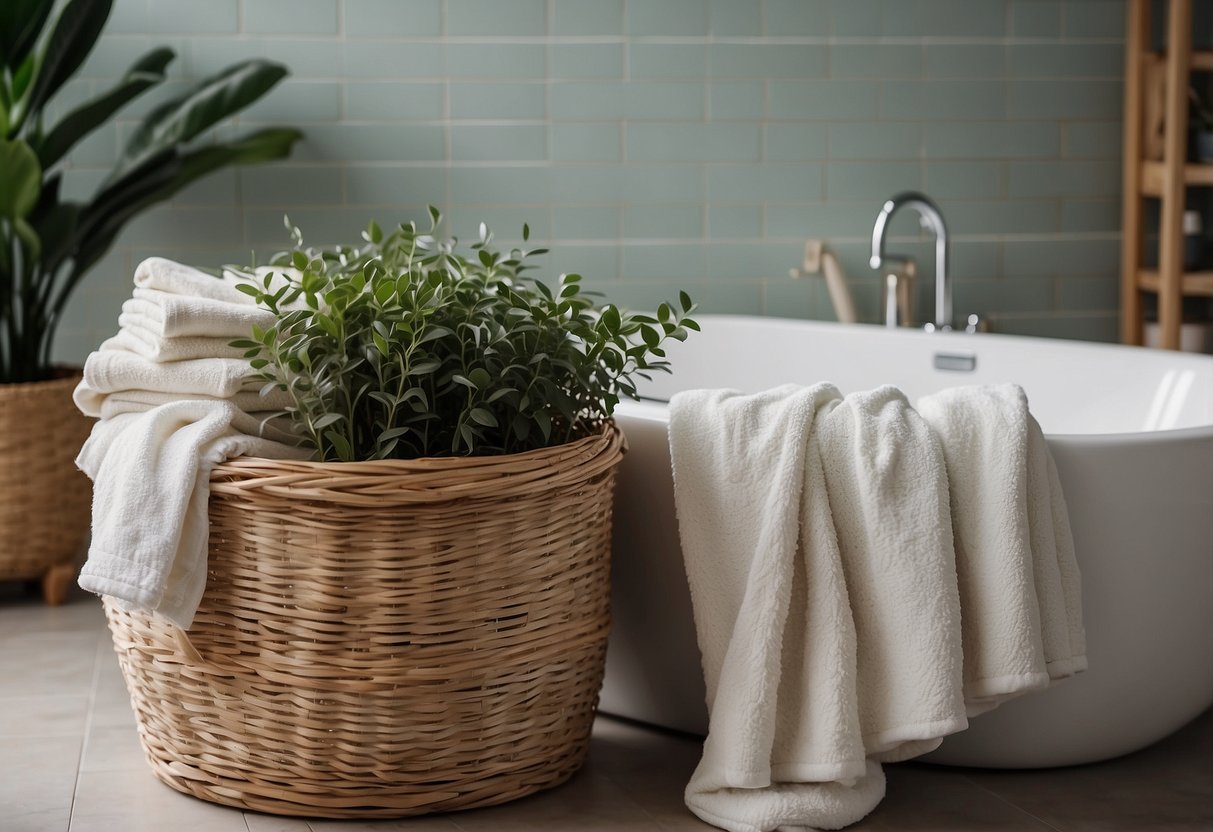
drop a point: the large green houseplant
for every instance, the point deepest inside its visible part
(49, 243)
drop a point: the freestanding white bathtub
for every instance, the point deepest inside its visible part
(1132, 434)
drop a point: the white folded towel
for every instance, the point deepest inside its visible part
(151, 474)
(1019, 583)
(176, 278)
(251, 418)
(166, 315)
(155, 348)
(172, 300)
(110, 371)
(817, 544)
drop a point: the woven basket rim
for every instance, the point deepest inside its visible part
(429, 479)
(67, 375)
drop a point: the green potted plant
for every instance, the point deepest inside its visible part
(48, 244)
(431, 591)
(403, 348)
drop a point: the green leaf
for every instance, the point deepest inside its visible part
(468, 435)
(326, 420)
(373, 234)
(340, 444)
(29, 238)
(103, 218)
(480, 378)
(421, 368)
(75, 33)
(544, 423)
(144, 74)
(21, 22)
(209, 102)
(21, 176)
(483, 416)
(610, 318)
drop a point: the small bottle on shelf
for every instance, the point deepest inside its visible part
(1192, 240)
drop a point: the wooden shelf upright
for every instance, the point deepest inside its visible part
(1167, 178)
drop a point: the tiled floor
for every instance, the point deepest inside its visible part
(70, 759)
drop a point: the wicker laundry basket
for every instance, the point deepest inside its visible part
(44, 498)
(381, 639)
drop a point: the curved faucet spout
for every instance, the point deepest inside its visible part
(931, 218)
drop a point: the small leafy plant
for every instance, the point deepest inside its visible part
(403, 348)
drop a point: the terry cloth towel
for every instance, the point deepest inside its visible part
(168, 315)
(817, 544)
(151, 472)
(172, 300)
(155, 348)
(268, 424)
(109, 371)
(1020, 588)
(161, 275)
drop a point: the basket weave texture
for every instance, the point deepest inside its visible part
(382, 639)
(44, 498)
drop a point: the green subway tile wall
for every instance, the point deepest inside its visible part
(658, 144)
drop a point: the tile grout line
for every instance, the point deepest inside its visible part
(1010, 803)
(88, 728)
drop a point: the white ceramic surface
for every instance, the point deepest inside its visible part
(1132, 433)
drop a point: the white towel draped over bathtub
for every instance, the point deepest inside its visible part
(1020, 594)
(174, 400)
(817, 537)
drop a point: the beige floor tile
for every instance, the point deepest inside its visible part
(43, 716)
(113, 748)
(111, 700)
(37, 776)
(587, 803)
(47, 663)
(1167, 787)
(23, 612)
(921, 798)
(107, 801)
(436, 823)
(651, 767)
(268, 823)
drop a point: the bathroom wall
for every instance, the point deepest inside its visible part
(658, 144)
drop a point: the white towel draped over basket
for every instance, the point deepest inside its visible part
(174, 400)
(842, 622)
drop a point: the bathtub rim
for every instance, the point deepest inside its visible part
(1161, 436)
(649, 408)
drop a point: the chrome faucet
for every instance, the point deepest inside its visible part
(894, 266)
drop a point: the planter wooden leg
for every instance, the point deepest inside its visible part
(56, 582)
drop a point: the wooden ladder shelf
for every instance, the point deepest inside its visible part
(1166, 179)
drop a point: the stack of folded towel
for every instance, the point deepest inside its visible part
(865, 576)
(173, 401)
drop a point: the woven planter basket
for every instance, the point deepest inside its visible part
(382, 639)
(44, 499)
